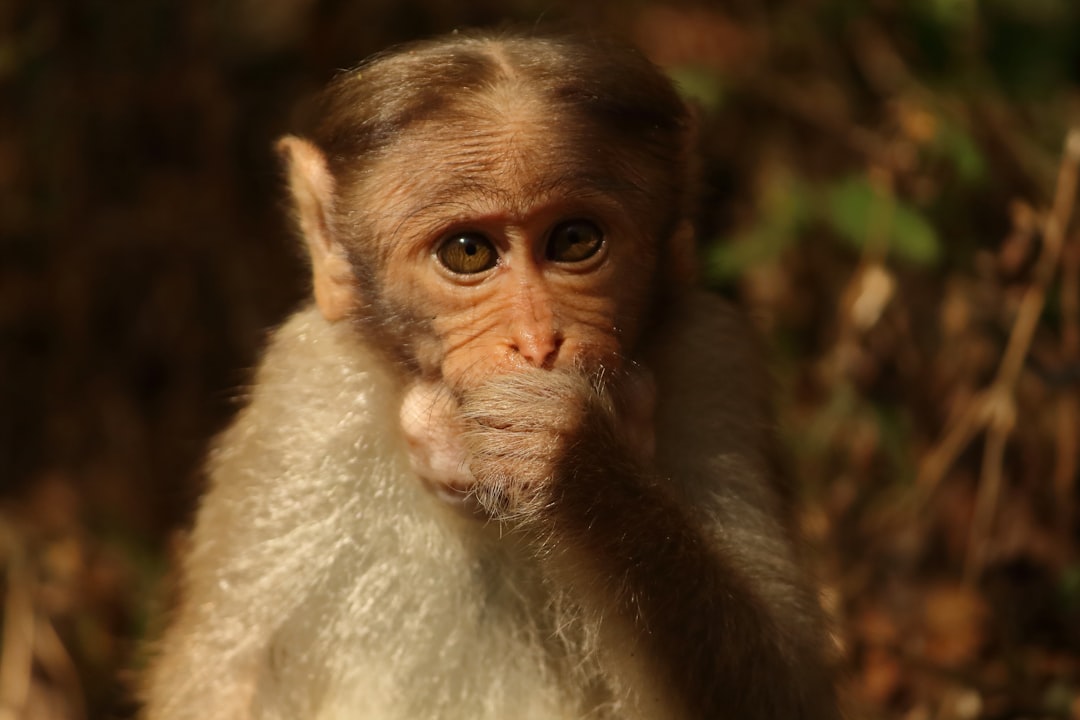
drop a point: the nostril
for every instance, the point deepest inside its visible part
(537, 351)
(548, 360)
(554, 351)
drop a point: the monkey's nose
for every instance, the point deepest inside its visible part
(537, 349)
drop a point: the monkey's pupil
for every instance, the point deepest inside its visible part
(574, 241)
(467, 254)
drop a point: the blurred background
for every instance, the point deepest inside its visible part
(886, 192)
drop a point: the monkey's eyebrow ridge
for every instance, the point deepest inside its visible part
(477, 193)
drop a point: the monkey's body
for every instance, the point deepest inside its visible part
(404, 615)
(407, 612)
(499, 245)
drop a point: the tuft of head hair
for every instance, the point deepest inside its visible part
(607, 94)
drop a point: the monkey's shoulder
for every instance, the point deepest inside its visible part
(710, 356)
(308, 352)
(318, 394)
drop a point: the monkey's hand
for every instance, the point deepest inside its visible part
(518, 427)
(526, 431)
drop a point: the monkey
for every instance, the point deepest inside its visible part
(510, 462)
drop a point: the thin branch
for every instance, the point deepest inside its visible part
(1001, 424)
(994, 409)
(17, 653)
(1003, 390)
(1034, 299)
(1067, 450)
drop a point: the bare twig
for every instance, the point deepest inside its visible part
(1034, 299)
(17, 656)
(58, 664)
(1001, 420)
(1027, 319)
(1067, 455)
(994, 409)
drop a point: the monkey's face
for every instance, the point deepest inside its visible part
(497, 241)
(504, 247)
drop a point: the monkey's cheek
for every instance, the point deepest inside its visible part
(442, 466)
(431, 431)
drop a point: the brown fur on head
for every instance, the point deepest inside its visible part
(507, 138)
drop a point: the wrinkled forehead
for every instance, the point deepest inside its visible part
(510, 156)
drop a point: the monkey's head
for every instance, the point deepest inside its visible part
(484, 205)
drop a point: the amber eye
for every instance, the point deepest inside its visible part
(574, 241)
(467, 254)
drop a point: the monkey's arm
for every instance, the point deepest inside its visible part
(689, 567)
(689, 602)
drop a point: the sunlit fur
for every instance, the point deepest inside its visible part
(329, 584)
(620, 545)
(325, 582)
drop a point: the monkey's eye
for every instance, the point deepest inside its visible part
(574, 241)
(467, 254)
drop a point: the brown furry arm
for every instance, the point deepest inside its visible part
(550, 462)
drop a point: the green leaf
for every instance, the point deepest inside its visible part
(700, 84)
(950, 13)
(784, 210)
(731, 258)
(955, 144)
(852, 205)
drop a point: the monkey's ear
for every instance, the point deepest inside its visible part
(312, 189)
